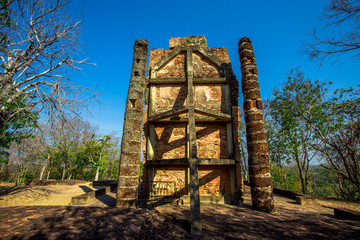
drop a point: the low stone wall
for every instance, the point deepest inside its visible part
(287, 193)
(106, 183)
(86, 197)
(346, 214)
(55, 182)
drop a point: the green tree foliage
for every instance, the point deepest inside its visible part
(5, 21)
(68, 149)
(306, 122)
(291, 134)
(18, 124)
(337, 128)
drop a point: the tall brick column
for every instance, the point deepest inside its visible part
(132, 134)
(257, 145)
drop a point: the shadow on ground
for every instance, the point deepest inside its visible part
(291, 221)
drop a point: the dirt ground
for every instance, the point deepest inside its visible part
(96, 220)
(26, 195)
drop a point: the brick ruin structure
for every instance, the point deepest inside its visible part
(130, 155)
(190, 141)
(257, 145)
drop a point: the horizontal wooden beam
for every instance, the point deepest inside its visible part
(210, 80)
(168, 81)
(183, 81)
(185, 119)
(184, 161)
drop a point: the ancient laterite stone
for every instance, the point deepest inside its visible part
(259, 166)
(127, 191)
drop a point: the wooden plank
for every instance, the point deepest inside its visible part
(229, 136)
(210, 81)
(168, 81)
(184, 161)
(196, 228)
(207, 54)
(159, 81)
(168, 114)
(150, 150)
(152, 98)
(197, 120)
(212, 113)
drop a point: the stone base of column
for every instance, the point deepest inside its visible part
(126, 203)
(263, 201)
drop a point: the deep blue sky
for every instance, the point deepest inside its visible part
(277, 29)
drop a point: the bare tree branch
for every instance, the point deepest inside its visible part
(40, 46)
(336, 42)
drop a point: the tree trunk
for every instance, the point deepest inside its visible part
(43, 168)
(301, 173)
(97, 173)
(63, 173)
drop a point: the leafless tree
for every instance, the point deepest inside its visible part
(41, 45)
(342, 34)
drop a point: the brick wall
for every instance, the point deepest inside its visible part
(211, 137)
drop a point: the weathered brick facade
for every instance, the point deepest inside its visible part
(167, 143)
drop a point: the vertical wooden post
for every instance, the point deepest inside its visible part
(257, 145)
(127, 191)
(193, 161)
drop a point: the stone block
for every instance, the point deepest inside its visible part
(247, 54)
(257, 126)
(254, 117)
(127, 192)
(259, 169)
(129, 170)
(130, 158)
(256, 137)
(126, 203)
(306, 200)
(258, 159)
(258, 147)
(195, 40)
(346, 214)
(252, 94)
(128, 181)
(261, 182)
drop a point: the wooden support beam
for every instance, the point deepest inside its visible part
(196, 228)
(151, 143)
(184, 161)
(229, 136)
(207, 54)
(168, 58)
(210, 81)
(152, 98)
(168, 81)
(197, 120)
(183, 81)
(168, 114)
(212, 113)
